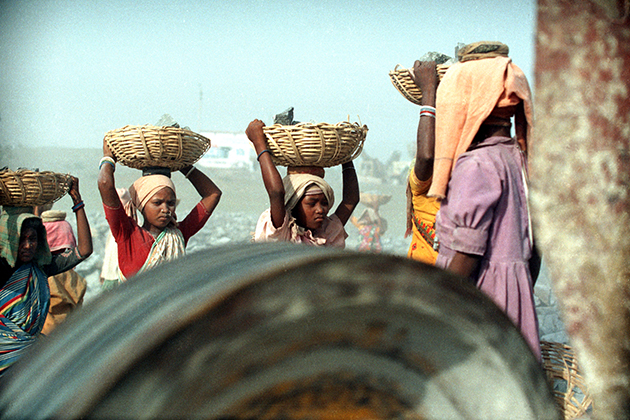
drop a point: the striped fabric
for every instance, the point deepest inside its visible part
(23, 307)
(168, 246)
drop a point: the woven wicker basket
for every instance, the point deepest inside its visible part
(569, 389)
(310, 144)
(143, 146)
(403, 82)
(25, 188)
(374, 200)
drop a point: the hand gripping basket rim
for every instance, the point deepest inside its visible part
(25, 188)
(315, 144)
(142, 146)
(403, 82)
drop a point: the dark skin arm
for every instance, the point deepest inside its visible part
(350, 193)
(209, 192)
(106, 184)
(271, 176)
(426, 78)
(463, 264)
(84, 235)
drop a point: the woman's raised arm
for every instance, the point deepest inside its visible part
(271, 176)
(351, 194)
(84, 235)
(207, 189)
(106, 184)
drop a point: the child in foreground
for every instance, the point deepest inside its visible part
(299, 202)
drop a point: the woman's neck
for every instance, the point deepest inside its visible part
(486, 131)
(153, 230)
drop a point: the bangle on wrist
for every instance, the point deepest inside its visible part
(346, 168)
(427, 111)
(187, 174)
(261, 153)
(107, 159)
(78, 206)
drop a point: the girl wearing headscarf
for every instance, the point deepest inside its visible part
(25, 265)
(480, 171)
(160, 238)
(299, 202)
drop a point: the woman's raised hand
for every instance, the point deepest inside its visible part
(106, 150)
(256, 135)
(74, 190)
(424, 74)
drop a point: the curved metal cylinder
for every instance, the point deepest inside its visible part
(282, 331)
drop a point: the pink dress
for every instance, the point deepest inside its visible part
(332, 232)
(485, 213)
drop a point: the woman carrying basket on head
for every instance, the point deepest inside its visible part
(25, 265)
(480, 172)
(160, 238)
(299, 202)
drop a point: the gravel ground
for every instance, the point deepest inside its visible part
(224, 228)
(244, 198)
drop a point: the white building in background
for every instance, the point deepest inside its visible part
(229, 151)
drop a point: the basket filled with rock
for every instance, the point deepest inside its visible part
(148, 146)
(315, 144)
(25, 187)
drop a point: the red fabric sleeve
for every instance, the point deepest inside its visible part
(193, 223)
(134, 243)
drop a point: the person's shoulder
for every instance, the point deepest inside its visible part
(479, 161)
(473, 157)
(113, 210)
(332, 222)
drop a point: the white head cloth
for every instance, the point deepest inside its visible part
(295, 186)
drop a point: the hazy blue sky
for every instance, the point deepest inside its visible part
(72, 70)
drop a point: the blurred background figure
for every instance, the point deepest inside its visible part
(370, 224)
(67, 289)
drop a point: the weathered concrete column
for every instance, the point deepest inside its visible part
(580, 172)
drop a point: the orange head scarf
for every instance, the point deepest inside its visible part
(467, 95)
(143, 189)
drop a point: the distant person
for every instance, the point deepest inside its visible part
(110, 275)
(370, 224)
(421, 209)
(25, 265)
(67, 289)
(483, 225)
(161, 237)
(299, 203)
